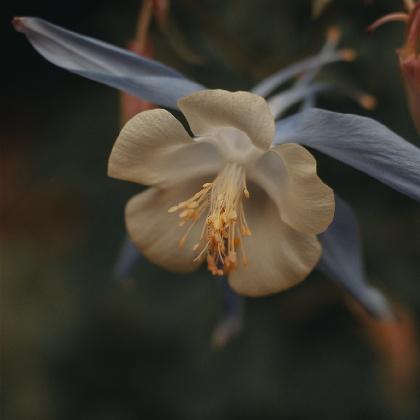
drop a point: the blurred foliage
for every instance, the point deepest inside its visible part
(77, 345)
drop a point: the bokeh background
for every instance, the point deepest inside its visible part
(76, 344)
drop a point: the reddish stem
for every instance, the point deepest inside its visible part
(392, 17)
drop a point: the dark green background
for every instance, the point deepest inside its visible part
(76, 345)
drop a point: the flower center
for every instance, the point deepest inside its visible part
(225, 224)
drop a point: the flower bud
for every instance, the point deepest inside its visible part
(409, 57)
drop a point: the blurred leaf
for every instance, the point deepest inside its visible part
(318, 6)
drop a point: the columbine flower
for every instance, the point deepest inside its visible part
(409, 54)
(227, 196)
(357, 141)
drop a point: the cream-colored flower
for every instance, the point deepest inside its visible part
(226, 196)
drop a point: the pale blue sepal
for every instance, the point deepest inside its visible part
(105, 63)
(342, 262)
(231, 320)
(357, 141)
(309, 102)
(281, 102)
(128, 257)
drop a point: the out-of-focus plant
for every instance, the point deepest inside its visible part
(409, 54)
(397, 345)
(318, 6)
(143, 45)
(51, 219)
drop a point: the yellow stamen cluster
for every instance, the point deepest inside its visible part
(225, 224)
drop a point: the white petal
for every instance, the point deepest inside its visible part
(153, 148)
(288, 174)
(156, 233)
(209, 110)
(278, 256)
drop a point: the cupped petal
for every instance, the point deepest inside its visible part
(342, 262)
(156, 233)
(360, 142)
(153, 148)
(105, 63)
(278, 256)
(288, 175)
(208, 111)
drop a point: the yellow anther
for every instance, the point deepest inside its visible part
(348, 54)
(367, 101)
(333, 34)
(185, 213)
(233, 215)
(216, 224)
(246, 232)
